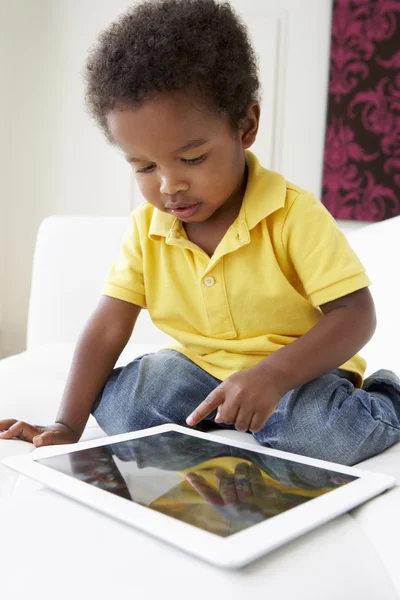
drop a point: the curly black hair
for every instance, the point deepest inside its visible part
(200, 47)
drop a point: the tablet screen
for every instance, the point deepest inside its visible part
(216, 487)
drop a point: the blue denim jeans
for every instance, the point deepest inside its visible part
(327, 418)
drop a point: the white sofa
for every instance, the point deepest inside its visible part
(71, 258)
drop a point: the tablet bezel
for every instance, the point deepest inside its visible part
(234, 551)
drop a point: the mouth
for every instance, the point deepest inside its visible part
(183, 211)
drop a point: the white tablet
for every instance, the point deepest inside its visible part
(223, 501)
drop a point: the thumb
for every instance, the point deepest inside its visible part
(38, 440)
(47, 438)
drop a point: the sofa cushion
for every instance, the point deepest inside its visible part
(31, 387)
(32, 383)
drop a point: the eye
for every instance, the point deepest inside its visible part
(186, 161)
(194, 161)
(148, 169)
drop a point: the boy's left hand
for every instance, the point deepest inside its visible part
(246, 399)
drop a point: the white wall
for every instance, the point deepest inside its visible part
(55, 161)
(23, 34)
(4, 141)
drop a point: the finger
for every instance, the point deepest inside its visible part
(50, 438)
(204, 489)
(5, 424)
(218, 415)
(243, 418)
(256, 481)
(242, 481)
(212, 402)
(258, 485)
(227, 488)
(257, 422)
(21, 430)
(227, 412)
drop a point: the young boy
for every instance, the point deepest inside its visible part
(248, 273)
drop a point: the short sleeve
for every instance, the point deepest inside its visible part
(124, 280)
(323, 259)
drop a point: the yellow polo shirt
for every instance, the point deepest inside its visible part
(278, 262)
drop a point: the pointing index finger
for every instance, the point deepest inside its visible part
(212, 402)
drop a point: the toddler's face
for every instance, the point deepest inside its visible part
(188, 162)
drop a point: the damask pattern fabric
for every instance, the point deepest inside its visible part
(361, 179)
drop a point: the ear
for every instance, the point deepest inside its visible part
(249, 125)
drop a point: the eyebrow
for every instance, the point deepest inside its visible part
(188, 146)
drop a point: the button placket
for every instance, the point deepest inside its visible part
(233, 242)
(216, 304)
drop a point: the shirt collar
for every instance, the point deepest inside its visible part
(265, 193)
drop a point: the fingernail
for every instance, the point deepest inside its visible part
(189, 420)
(38, 442)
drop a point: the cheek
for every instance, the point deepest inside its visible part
(223, 182)
(148, 187)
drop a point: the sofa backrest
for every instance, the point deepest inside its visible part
(73, 254)
(72, 257)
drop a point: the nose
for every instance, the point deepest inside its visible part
(171, 185)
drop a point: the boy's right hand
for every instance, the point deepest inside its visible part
(57, 433)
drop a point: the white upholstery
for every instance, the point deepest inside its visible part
(378, 246)
(71, 258)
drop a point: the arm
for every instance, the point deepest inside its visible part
(102, 341)
(348, 324)
(99, 346)
(249, 397)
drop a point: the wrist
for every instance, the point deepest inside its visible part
(273, 374)
(70, 429)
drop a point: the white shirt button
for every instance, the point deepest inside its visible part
(209, 281)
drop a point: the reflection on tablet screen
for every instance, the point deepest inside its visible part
(213, 486)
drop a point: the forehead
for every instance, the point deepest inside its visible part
(166, 122)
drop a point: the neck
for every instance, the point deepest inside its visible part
(229, 211)
(207, 235)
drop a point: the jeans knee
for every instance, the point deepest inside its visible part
(346, 428)
(155, 389)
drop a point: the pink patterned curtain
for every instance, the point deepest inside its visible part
(361, 178)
